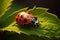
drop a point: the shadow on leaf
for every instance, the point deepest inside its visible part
(27, 26)
(6, 35)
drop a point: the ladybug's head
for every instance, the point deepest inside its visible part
(23, 18)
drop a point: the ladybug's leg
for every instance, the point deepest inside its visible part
(16, 23)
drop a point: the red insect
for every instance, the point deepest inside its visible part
(26, 18)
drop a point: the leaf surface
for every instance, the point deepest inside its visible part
(4, 4)
(49, 24)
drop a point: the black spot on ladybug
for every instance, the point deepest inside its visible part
(20, 20)
(25, 20)
(18, 15)
(16, 19)
(21, 16)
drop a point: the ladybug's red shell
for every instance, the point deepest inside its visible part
(26, 19)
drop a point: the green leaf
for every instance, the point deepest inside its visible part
(15, 36)
(4, 4)
(49, 24)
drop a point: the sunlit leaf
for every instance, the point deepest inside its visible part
(49, 24)
(4, 4)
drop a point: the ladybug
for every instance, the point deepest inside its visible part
(26, 18)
